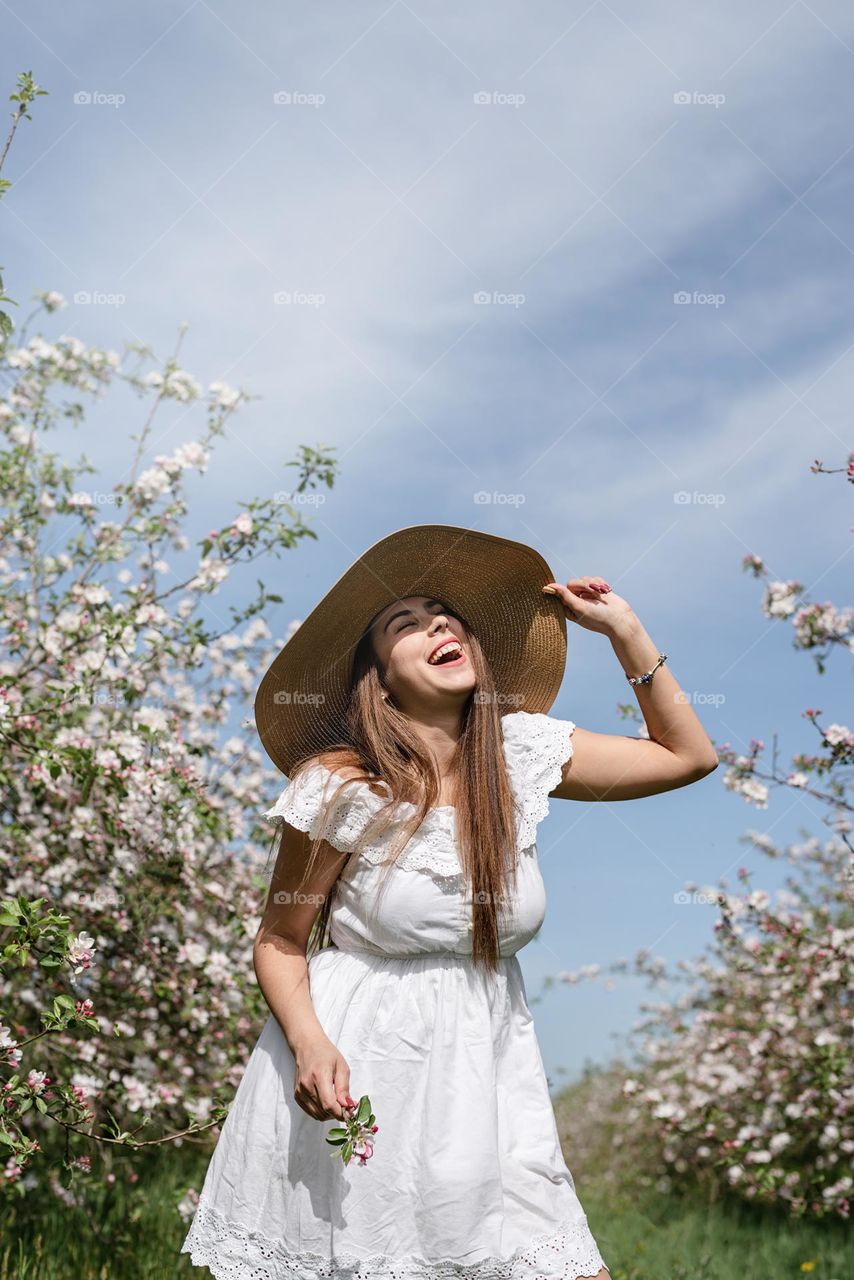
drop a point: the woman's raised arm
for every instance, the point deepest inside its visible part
(605, 766)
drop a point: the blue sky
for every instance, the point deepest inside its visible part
(620, 158)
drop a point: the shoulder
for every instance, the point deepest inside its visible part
(336, 762)
(344, 767)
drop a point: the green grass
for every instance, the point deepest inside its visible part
(129, 1231)
(133, 1232)
(650, 1236)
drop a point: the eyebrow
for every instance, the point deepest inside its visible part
(402, 613)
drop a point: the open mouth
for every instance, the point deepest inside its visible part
(449, 655)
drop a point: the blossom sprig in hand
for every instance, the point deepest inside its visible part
(356, 1136)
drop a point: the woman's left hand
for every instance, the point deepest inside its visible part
(592, 604)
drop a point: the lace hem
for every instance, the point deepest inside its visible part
(234, 1253)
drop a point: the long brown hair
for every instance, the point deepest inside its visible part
(391, 757)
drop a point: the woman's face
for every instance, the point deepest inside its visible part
(405, 635)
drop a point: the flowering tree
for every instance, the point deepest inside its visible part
(746, 1080)
(130, 841)
(27, 92)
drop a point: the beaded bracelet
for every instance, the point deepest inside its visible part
(647, 677)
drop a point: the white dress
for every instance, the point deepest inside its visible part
(467, 1178)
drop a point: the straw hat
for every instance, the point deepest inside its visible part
(496, 585)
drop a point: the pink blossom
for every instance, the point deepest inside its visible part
(80, 952)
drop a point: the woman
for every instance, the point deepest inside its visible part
(409, 713)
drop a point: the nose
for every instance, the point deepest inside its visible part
(437, 618)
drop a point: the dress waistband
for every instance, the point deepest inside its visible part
(378, 953)
(398, 955)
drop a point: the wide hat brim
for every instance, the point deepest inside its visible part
(495, 583)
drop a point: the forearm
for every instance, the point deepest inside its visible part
(282, 972)
(667, 710)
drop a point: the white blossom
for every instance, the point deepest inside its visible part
(152, 718)
(222, 396)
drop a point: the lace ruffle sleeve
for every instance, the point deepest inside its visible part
(433, 848)
(536, 747)
(304, 799)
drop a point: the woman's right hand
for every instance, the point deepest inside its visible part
(322, 1080)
